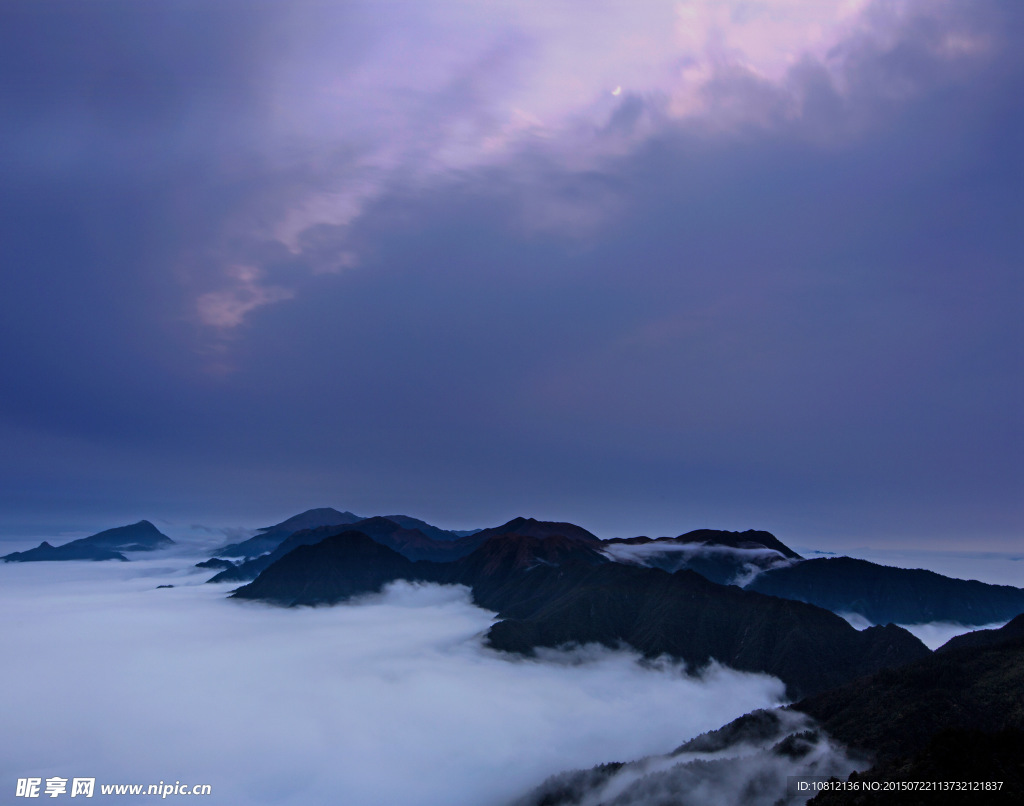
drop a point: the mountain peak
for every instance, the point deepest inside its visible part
(535, 528)
(751, 538)
(320, 516)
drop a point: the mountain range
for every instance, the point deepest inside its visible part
(874, 705)
(550, 589)
(882, 594)
(754, 560)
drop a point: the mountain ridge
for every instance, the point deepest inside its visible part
(105, 545)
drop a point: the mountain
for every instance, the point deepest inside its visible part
(413, 544)
(105, 545)
(883, 594)
(979, 639)
(430, 531)
(333, 570)
(957, 715)
(750, 539)
(749, 762)
(249, 569)
(953, 716)
(560, 589)
(728, 558)
(141, 536)
(270, 537)
(410, 543)
(693, 619)
(215, 563)
(69, 551)
(534, 528)
(415, 539)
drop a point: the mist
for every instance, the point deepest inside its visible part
(752, 762)
(389, 700)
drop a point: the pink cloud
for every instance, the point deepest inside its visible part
(228, 307)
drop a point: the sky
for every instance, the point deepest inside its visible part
(646, 267)
(388, 701)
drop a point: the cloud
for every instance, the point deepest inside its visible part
(390, 700)
(502, 289)
(752, 762)
(229, 307)
(935, 634)
(724, 564)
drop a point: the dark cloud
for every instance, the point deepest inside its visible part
(796, 310)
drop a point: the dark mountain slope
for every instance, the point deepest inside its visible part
(688, 617)
(250, 569)
(956, 715)
(330, 571)
(515, 574)
(1011, 631)
(749, 762)
(883, 594)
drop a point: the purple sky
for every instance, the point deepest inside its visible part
(647, 267)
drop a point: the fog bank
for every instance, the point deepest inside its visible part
(392, 700)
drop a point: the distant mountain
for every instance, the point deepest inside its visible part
(215, 563)
(141, 536)
(249, 569)
(728, 558)
(45, 552)
(430, 531)
(413, 544)
(270, 537)
(750, 539)
(534, 528)
(883, 594)
(560, 589)
(415, 539)
(105, 545)
(332, 570)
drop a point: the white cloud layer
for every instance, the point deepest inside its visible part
(933, 634)
(390, 701)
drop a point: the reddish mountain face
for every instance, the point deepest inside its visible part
(533, 528)
(506, 553)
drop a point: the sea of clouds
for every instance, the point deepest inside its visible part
(391, 700)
